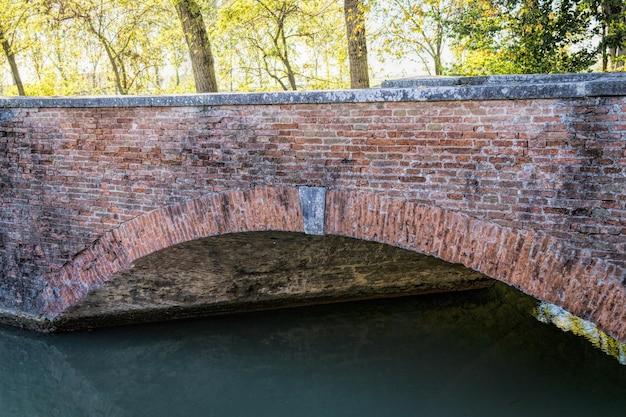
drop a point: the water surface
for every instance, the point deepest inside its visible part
(478, 353)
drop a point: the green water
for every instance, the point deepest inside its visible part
(466, 354)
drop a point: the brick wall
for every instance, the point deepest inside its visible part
(552, 166)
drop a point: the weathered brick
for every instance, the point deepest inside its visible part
(70, 176)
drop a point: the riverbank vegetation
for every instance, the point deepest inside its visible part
(95, 47)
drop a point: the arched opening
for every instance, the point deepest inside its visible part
(538, 264)
(262, 270)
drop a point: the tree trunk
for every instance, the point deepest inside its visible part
(284, 56)
(197, 39)
(14, 70)
(612, 27)
(120, 81)
(357, 44)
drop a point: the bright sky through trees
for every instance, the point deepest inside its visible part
(93, 47)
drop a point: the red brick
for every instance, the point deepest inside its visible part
(524, 165)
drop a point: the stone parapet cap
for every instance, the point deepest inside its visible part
(496, 87)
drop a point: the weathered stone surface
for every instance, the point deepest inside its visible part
(518, 79)
(313, 203)
(501, 87)
(260, 270)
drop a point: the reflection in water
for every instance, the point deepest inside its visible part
(564, 320)
(480, 353)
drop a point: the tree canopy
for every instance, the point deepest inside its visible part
(523, 36)
(89, 47)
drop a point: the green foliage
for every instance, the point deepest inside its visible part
(523, 36)
(97, 47)
(20, 20)
(280, 44)
(611, 18)
(87, 47)
(415, 28)
(125, 30)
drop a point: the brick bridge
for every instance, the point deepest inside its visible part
(521, 178)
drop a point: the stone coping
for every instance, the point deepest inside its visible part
(497, 87)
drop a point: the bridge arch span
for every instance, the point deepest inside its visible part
(537, 264)
(232, 211)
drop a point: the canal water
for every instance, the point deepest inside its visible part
(478, 353)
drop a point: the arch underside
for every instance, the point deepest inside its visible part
(539, 265)
(262, 270)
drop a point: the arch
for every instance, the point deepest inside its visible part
(232, 211)
(535, 263)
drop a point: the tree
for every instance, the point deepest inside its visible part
(418, 29)
(125, 29)
(523, 36)
(10, 56)
(278, 14)
(267, 28)
(15, 17)
(357, 44)
(272, 36)
(611, 15)
(198, 43)
(327, 62)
